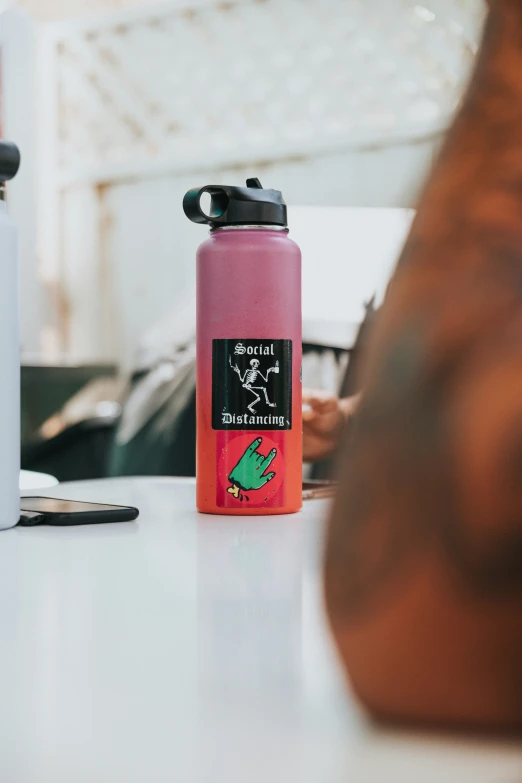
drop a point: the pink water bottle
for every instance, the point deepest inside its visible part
(249, 332)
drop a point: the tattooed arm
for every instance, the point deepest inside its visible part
(424, 556)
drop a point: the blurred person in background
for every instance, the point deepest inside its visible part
(324, 418)
(327, 416)
(157, 431)
(424, 558)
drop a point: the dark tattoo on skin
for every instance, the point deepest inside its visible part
(433, 461)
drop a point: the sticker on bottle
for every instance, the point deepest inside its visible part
(252, 385)
(250, 470)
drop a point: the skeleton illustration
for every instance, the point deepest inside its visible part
(250, 377)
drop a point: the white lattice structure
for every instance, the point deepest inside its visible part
(60, 9)
(221, 83)
(337, 102)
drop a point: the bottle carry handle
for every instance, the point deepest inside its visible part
(218, 204)
(230, 205)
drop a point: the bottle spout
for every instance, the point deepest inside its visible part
(234, 206)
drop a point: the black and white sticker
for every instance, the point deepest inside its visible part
(252, 384)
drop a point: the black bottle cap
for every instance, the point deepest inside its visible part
(231, 206)
(9, 160)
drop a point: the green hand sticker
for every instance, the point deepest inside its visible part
(249, 473)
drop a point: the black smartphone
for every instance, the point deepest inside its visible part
(53, 511)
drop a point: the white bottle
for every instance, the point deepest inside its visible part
(9, 351)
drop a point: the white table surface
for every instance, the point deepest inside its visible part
(190, 648)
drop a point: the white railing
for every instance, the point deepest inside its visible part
(337, 101)
(188, 86)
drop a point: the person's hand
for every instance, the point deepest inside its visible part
(324, 416)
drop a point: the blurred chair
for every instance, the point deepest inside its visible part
(79, 452)
(161, 439)
(75, 443)
(47, 386)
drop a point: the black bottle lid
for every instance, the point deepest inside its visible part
(9, 160)
(232, 206)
